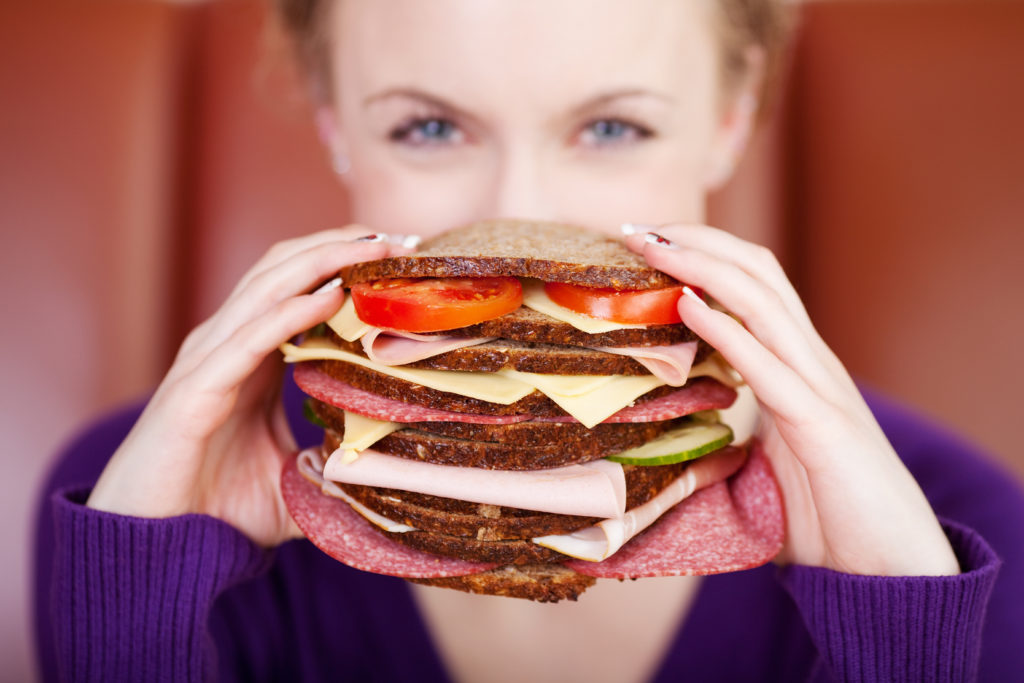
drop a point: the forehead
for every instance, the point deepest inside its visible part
(479, 49)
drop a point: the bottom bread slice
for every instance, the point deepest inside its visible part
(539, 582)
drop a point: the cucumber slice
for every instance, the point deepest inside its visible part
(678, 445)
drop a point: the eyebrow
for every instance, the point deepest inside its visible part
(603, 99)
(410, 93)
(589, 104)
(433, 101)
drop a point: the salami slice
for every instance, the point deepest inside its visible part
(339, 531)
(325, 388)
(733, 525)
(703, 393)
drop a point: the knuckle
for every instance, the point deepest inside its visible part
(278, 249)
(765, 256)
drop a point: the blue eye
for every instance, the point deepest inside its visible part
(604, 132)
(427, 131)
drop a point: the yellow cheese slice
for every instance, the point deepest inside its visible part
(588, 398)
(562, 385)
(485, 386)
(534, 297)
(716, 367)
(362, 432)
(600, 402)
(346, 324)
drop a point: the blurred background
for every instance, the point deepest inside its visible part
(150, 151)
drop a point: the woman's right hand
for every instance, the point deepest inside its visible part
(214, 436)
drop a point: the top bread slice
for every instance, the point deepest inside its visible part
(551, 252)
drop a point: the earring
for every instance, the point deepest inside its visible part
(340, 164)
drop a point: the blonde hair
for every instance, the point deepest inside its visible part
(742, 24)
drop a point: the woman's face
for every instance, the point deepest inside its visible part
(595, 112)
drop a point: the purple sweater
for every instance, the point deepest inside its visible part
(190, 598)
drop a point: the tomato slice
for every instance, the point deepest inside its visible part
(643, 307)
(433, 304)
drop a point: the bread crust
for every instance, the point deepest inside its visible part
(526, 324)
(542, 583)
(548, 251)
(531, 447)
(463, 547)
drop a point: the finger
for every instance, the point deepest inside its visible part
(303, 272)
(716, 467)
(282, 251)
(286, 249)
(300, 273)
(777, 386)
(759, 263)
(224, 369)
(759, 307)
(292, 531)
(755, 259)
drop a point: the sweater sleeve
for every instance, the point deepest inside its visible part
(869, 628)
(131, 596)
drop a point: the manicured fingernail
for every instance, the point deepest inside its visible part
(658, 240)
(407, 241)
(329, 286)
(375, 237)
(693, 295)
(635, 228)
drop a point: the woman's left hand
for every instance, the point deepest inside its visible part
(850, 503)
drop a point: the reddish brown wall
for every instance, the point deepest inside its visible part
(146, 161)
(907, 161)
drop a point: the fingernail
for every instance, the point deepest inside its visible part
(635, 228)
(407, 241)
(658, 240)
(329, 286)
(693, 295)
(375, 237)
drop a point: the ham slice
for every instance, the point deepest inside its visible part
(604, 539)
(593, 489)
(311, 466)
(670, 364)
(395, 347)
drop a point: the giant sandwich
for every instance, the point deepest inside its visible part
(516, 409)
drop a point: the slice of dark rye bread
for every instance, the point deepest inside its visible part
(534, 403)
(553, 447)
(545, 359)
(548, 251)
(542, 582)
(526, 324)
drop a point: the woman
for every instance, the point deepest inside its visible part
(437, 114)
